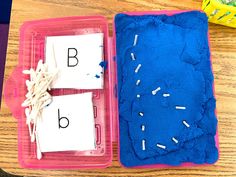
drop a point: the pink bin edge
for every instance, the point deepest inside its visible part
(11, 82)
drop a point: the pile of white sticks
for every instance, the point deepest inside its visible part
(37, 97)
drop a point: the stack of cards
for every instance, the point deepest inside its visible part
(67, 124)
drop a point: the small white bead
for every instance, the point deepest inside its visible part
(138, 82)
(166, 94)
(175, 140)
(143, 128)
(154, 92)
(135, 40)
(132, 56)
(180, 107)
(143, 145)
(141, 114)
(186, 124)
(161, 146)
(137, 68)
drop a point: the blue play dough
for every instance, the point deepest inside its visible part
(103, 64)
(174, 55)
(97, 76)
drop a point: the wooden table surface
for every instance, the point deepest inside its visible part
(223, 48)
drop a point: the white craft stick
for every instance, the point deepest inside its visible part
(186, 124)
(138, 82)
(154, 92)
(180, 107)
(135, 40)
(29, 95)
(25, 103)
(39, 66)
(143, 128)
(45, 96)
(166, 94)
(32, 74)
(41, 89)
(26, 72)
(35, 113)
(37, 98)
(161, 146)
(46, 103)
(39, 153)
(28, 83)
(54, 57)
(44, 68)
(33, 133)
(143, 145)
(175, 140)
(137, 68)
(30, 130)
(32, 139)
(27, 113)
(132, 56)
(141, 114)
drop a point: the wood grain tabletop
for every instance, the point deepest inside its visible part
(223, 49)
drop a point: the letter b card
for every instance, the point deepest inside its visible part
(77, 59)
(67, 124)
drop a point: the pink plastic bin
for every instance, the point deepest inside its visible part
(32, 43)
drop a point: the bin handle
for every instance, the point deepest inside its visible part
(12, 92)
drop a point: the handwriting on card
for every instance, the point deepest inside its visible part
(67, 124)
(77, 58)
(72, 59)
(63, 122)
